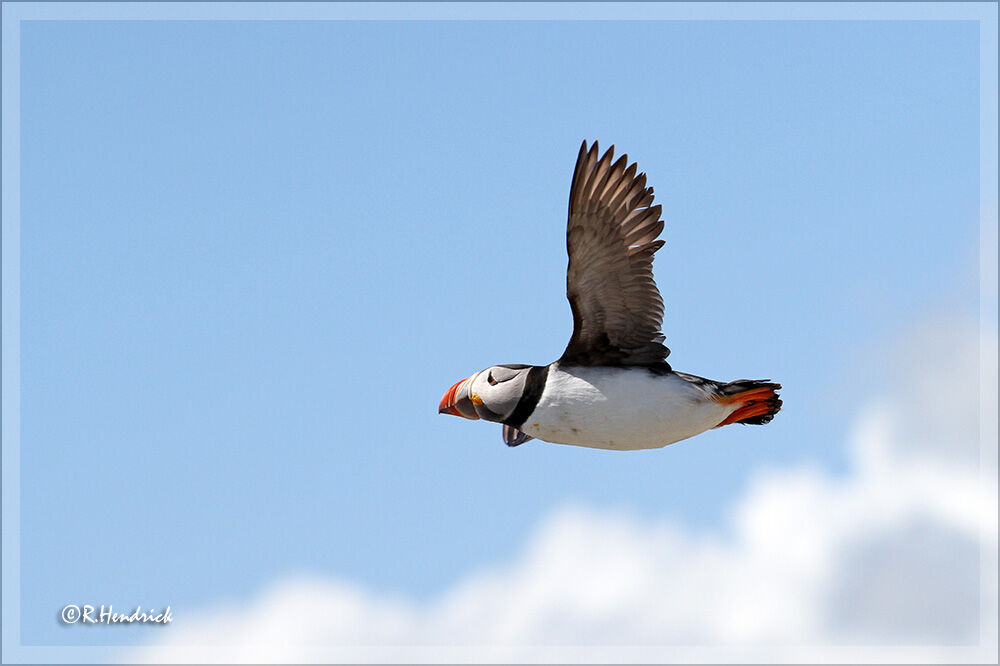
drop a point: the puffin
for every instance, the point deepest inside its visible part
(612, 388)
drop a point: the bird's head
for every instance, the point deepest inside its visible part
(490, 394)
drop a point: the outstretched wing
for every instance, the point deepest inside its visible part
(611, 238)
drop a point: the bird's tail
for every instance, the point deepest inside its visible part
(757, 401)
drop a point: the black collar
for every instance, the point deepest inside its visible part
(533, 387)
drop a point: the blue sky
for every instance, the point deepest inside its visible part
(255, 254)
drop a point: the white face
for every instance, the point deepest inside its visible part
(495, 391)
(490, 394)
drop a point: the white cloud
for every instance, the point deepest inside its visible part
(883, 563)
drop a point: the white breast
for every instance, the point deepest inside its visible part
(622, 409)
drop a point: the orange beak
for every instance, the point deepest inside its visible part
(456, 401)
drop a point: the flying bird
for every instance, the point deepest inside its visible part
(612, 388)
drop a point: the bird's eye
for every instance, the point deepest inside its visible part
(489, 378)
